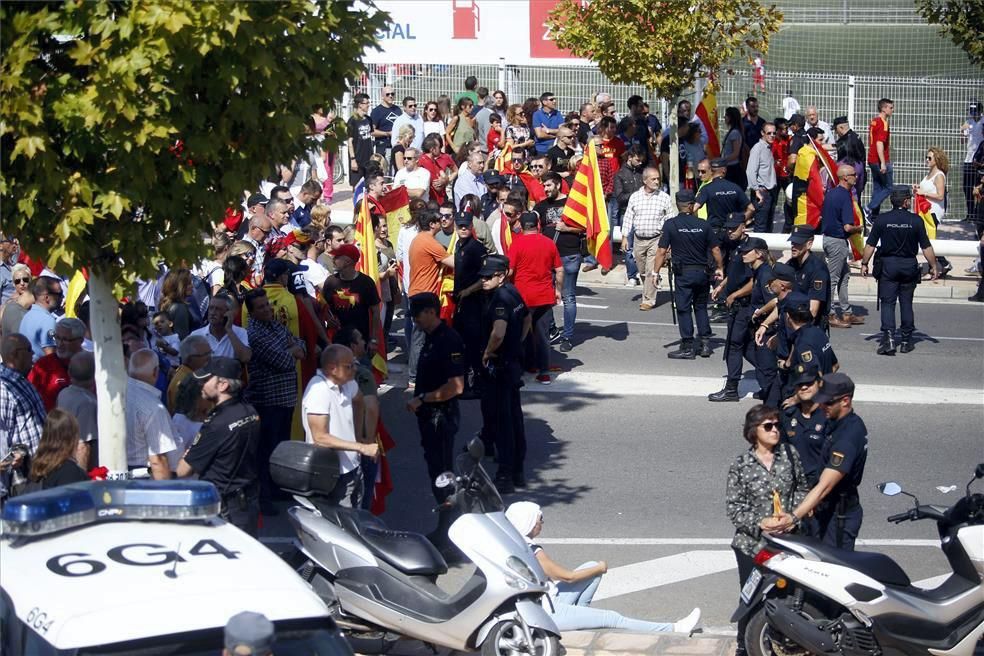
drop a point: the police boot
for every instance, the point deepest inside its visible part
(887, 345)
(704, 350)
(906, 345)
(685, 352)
(729, 393)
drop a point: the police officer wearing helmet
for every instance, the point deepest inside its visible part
(835, 497)
(804, 425)
(440, 380)
(812, 276)
(469, 253)
(506, 323)
(810, 344)
(737, 288)
(693, 241)
(898, 235)
(224, 451)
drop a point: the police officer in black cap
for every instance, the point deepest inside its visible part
(812, 277)
(810, 344)
(469, 254)
(224, 450)
(738, 285)
(772, 333)
(507, 322)
(898, 235)
(845, 452)
(736, 274)
(693, 243)
(490, 199)
(440, 381)
(803, 427)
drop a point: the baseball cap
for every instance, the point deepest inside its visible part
(797, 302)
(249, 634)
(833, 386)
(685, 196)
(529, 220)
(719, 163)
(840, 120)
(257, 199)
(734, 220)
(784, 272)
(221, 367)
(801, 235)
(493, 264)
(804, 373)
(277, 267)
(751, 244)
(493, 178)
(350, 251)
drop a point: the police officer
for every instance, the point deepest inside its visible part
(723, 198)
(440, 380)
(224, 451)
(693, 242)
(468, 256)
(803, 427)
(845, 452)
(810, 344)
(812, 276)
(900, 233)
(506, 323)
(737, 290)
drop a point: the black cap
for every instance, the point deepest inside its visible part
(257, 199)
(840, 120)
(833, 386)
(276, 267)
(423, 301)
(734, 220)
(493, 178)
(249, 634)
(784, 272)
(529, 220)
(463, 219)
(686, 196)
(804, 373)
(751, 244)
(221, 367)
(974, 105)
(905, 191)
(801, 235)
(797, 302)
(494, 264)
(719, 163)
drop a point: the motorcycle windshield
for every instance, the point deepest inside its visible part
(479, 494)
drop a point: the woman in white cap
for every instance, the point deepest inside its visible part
(573, 590)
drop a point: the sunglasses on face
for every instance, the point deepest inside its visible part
(411, 106)
(409, 158)
(511, 215)
(769, 426)
(536, 167)
(389, 94)
(446, 216)
(770, 134)
(21, 281)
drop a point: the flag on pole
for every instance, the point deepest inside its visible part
(586, 208)
(395, 205)
(365, 238)
(812, 161)
(707, 113)
(922, 207)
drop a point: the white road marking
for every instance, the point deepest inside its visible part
(663, 571)
(593, 307)
(932, 337)
(672, 542)
(620, 385)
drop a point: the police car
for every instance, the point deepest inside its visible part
(135, 567)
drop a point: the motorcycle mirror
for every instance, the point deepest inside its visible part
(979, 472)
(890, 489)
(444, 480)
(476, 449)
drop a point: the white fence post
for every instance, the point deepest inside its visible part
(502, 74)
(850, 101)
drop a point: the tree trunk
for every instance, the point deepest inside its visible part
(110, 374)
(674, 158)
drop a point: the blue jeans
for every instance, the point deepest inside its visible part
(572, 610)
(572, 266)
(615, 219)
(881, 186)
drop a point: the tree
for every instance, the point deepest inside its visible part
(665, 45)
(961, 20)
(129, 127)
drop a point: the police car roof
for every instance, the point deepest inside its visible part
(108, 583)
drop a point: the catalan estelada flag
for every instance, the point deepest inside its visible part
(707, 113)
(921, 206)
(586, 208)
(365, 238)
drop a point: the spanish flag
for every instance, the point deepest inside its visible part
(586, 208)
(503, 163)
(811, 163)
(447, 284)
(707, 113)
(365, 238)
(922, 207)
(383, 484)
(395, 205)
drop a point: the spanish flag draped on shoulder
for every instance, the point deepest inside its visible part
(816, 168)
(922, 207)
(585, 208)
(365, 238)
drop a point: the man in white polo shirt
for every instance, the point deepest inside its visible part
(150, 438)
(413, 176)
(226, 339)
(332, 412)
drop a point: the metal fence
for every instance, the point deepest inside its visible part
(928, 112)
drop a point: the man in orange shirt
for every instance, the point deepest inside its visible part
(878, 158)
(49, 375)
(426, 258)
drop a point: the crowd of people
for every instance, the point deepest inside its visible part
(273, 336)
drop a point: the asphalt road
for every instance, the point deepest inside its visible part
(629, 461)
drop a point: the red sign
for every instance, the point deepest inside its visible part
(541, 43)
(466, 20)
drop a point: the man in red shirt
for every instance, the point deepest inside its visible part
(440, 166)
(780, 152)
(878, 158)
(538, 274)
(49, 375)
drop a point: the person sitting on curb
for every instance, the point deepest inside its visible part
(572, 591)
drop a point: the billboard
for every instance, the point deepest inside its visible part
(468, 32)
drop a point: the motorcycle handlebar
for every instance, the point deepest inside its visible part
(901, 517)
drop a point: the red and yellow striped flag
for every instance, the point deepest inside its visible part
(368, 264)
(586, 208)
(707, 112)
(921, 206)
(811, 161)
(503, 163)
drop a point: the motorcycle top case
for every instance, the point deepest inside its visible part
(304, 468)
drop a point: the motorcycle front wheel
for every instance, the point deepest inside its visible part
(507, 639)
(762, 640)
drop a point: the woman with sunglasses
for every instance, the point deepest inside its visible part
(433, 119)
(461, 127)
(20, 301)
(517, 133)
(764, 482)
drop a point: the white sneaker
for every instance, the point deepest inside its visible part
(689, 623)
(632, 282)
(973, 268)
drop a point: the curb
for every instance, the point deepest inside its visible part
(609, 642)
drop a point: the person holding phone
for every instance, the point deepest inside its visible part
(226, 339)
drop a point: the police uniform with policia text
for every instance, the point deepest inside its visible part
(468, 256)
(806, 433)
(741, 338)
(224, 451)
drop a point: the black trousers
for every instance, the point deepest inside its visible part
(275, 424)
(468, 324)
(692, 291)
(741, 342)
(242, 509)
(745, 566)
(767, 375)
(839, 527)
(438, 424)
(897, 284)
(502, 415)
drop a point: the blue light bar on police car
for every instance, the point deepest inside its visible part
(80, 504)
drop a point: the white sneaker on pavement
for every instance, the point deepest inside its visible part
(689, 623)
(632, 282)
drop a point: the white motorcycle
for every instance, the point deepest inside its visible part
(806, 597)
(380, 584)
